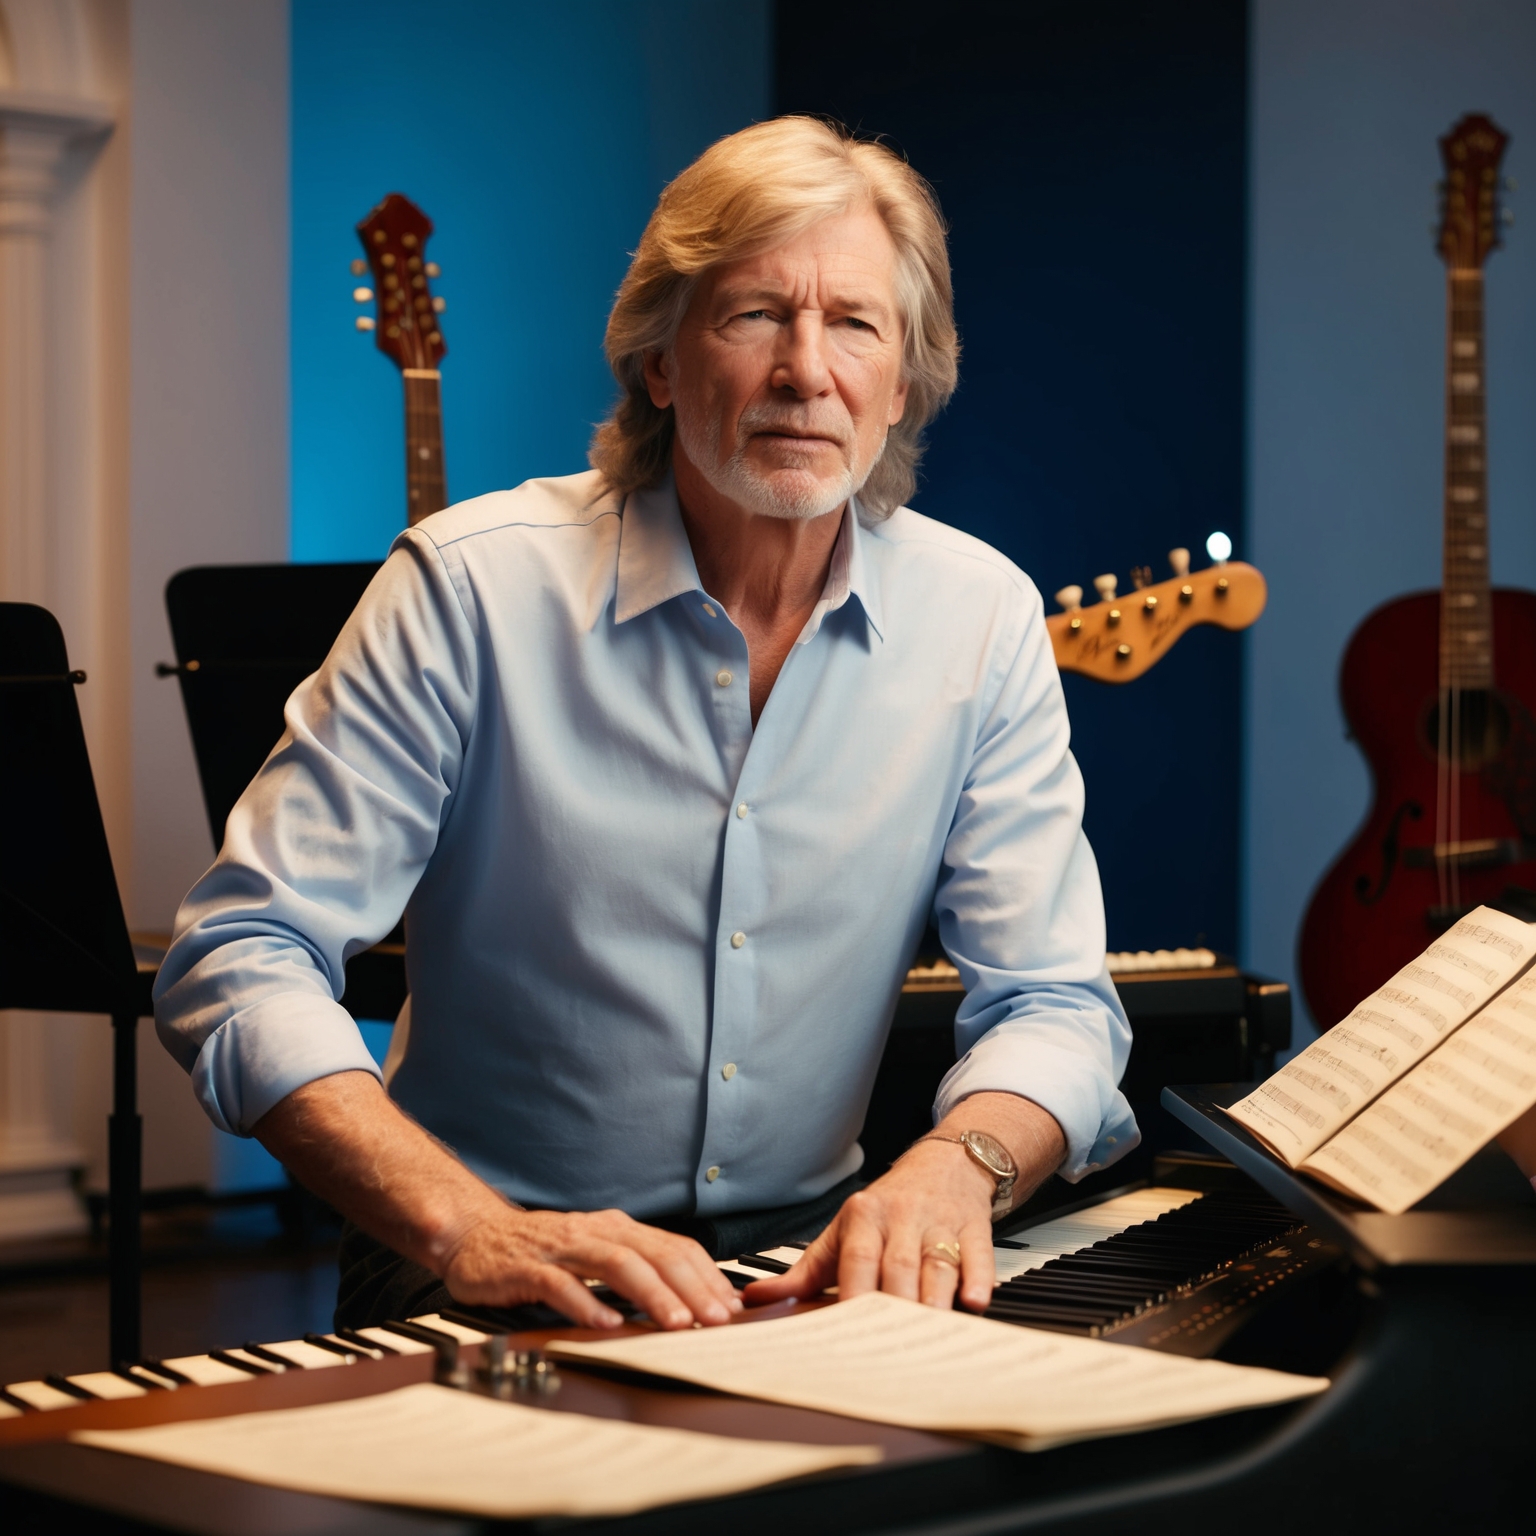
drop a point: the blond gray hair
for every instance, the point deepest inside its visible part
(746, 194)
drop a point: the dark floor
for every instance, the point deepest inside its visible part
(212, 1278)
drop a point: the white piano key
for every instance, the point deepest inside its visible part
(453, 1330)
(10, 1410)
(396, 1341)
(202, 1371)
(784, 1255)
(1053, 1239)
(308, 1357)
(267, 1367)
(38, 1394)
(108, 1384)
(732, 1267)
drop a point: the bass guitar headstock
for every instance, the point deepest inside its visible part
(1120, 637)
(1471, 154)
(408, 317)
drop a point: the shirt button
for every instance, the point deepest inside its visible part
(741, 811)
(738, 939)
(728, 1071)
(1109, 1141)
(712, 1173)
(709, 608)
(723, 677)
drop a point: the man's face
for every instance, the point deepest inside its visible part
(786, 373)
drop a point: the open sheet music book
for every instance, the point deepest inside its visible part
(1423, 1074)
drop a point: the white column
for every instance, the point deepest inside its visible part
(38, 1155)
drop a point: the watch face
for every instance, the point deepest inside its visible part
(992, 1153)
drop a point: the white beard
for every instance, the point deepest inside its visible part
(790, 494)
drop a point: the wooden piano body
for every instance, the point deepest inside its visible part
(1425, 1323)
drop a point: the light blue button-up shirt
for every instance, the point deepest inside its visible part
(654, 952)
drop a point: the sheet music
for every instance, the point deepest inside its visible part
(1455, 1102)
(895, 1362)
(1319, 1091)
(435, 1448)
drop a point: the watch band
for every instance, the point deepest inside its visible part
(1002, 1182)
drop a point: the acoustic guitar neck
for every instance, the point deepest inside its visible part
(426, 480)
(409, 332)
(1471, 154)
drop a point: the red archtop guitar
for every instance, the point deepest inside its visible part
(408, 327)
(1438, 687)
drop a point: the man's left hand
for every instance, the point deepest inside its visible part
(924, 1230)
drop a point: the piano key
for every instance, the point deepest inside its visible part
(455, 1331)
(74, 1389)
(300, 1354)
(9, 1409)
(763, 1263)
(165, 1371)
(785, 1253)
(41, 1396)
(347, 1352)
(206, 1371)
(139, 1377)
(108, 1385)
(390, 1343)
(244, 1362)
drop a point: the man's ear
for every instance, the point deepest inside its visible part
(898, 404)
(657, 385)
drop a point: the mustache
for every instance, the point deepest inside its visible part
(804, 423)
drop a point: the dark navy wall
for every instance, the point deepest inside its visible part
(536, 136)
(1089, 155)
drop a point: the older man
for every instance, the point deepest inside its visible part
(668, 765)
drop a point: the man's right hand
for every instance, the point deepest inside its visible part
(346, 1140)
(548, 1255)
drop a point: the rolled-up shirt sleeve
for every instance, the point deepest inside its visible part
(324, 848)
(1021, 915)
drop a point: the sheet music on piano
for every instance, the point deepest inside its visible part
(1321, 1090)
(435, 1448)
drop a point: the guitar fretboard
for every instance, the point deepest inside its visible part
(1466, 618)
(426, 480)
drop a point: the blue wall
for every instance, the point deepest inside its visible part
(1345, 381)
(536, 136)
(1090, 160)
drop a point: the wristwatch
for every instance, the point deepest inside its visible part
(991, 1156)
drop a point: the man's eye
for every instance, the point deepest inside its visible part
(858, 324)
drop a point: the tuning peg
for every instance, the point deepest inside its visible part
(439, 305)
(359, 266)
(1219, 548)
(432, 269)
(1178, 560)
(1070, 598)
(1105, 587)
(364, 322)
(362, 295)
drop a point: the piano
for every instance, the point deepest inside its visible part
(1425, 1323)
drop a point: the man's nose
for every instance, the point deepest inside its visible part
(800, 363)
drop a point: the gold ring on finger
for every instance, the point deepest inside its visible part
(945, 1253)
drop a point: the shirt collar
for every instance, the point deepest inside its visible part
(656, 562)
(655, 559)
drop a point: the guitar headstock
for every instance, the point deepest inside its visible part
(407, 323)
(1120, 637)
(1469, 196)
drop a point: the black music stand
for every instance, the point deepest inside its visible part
(64, 945)
(246, 636)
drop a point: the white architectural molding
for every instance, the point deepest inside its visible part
(52, 123)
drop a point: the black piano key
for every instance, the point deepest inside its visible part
(16, 1402)
(348, 1352)
(1007, 1242)
(352, 1336)
(757, 1261)
(250, 1367)
(73, 1388)
(168, 1372)
(142, 1379)
(272, 1357)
